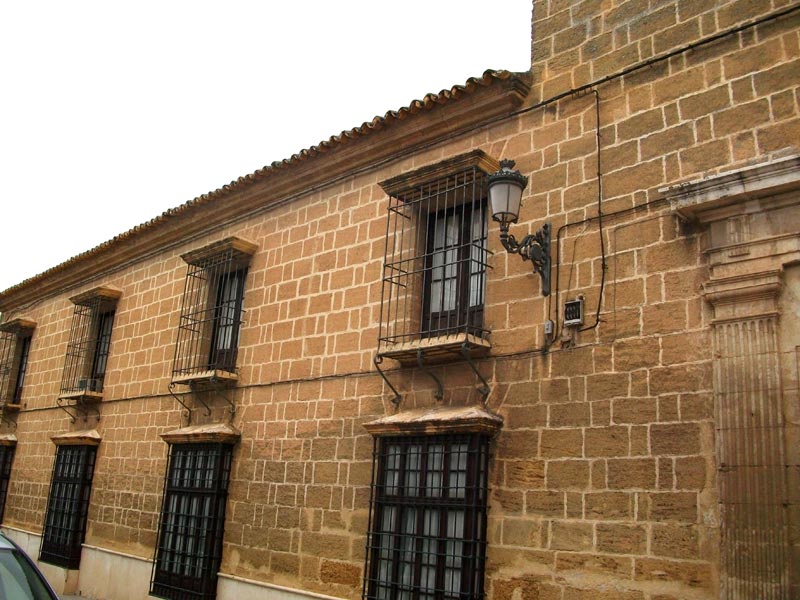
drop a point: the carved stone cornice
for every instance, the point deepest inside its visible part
(753, 220)
(745, 296)
(720, 196)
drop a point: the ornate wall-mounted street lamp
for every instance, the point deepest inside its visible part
(505, 197)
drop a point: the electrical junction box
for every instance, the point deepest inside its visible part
(549, 328)
(573, 312)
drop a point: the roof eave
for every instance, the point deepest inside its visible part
(424, 122)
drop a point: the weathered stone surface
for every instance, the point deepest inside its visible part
(606, 458)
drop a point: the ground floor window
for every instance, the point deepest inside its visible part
(68, 505)
(6, 458)
(427, 535)
(192, 522)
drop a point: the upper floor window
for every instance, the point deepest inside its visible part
(15, 345)
(211, 311)
(89, 343)
(436, 259)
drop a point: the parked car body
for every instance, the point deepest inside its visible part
(20, 579)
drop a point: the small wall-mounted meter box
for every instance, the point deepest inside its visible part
(549, 328)
(573, 312)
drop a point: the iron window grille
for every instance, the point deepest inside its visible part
(192, 522)
(68, 506)
(436, 256)
(212, 311)
(89, 343)
(6, 459)
(15, 344)
(427, 538)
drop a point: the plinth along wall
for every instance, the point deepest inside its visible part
(235, 349)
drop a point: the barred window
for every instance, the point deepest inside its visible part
(89, 343)
(68, 505)
(192, 522)
(436, 259)
(427, 537)
(211, 311)
(15, 345)
(6, 459)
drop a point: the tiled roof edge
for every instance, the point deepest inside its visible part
(428, 102)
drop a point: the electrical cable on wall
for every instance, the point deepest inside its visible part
(599, 217)
(603, 265)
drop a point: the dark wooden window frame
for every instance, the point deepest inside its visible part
(6, 460)
(427, 533)
(191, 528)
(461, 263)
(21, 368)
(68, 505)
(15, 344)
(105, 323)
(227, 320)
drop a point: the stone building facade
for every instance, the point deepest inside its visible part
(328, 378)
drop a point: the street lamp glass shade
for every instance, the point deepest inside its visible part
(505, 197)
(505, 192)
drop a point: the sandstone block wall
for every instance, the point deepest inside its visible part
(603, 477)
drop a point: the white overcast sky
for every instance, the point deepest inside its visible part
(112, 112)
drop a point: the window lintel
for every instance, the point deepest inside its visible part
(396, 186)
(21, 326)
(437, 420)
(241, 251)
(730, 193)
(86, 437)
(8, 439)
(104, 295)
(201, 434)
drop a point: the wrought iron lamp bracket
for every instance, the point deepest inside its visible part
(534, 247)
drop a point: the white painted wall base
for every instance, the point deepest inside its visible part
(238, 588)
(109, 574)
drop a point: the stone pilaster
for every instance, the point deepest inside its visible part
(752, 237)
